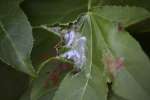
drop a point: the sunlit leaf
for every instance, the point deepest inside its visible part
(16, 37)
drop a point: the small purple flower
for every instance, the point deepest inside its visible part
(69, 38)
(78, 59)
(77, 44)
(72, 54)
(81, 43)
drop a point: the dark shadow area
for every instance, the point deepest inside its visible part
(12, 83)
(144, 40)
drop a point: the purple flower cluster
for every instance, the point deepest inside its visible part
(69, 38)
(77, 44)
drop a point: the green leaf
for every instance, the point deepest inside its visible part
(115, 97)
(123, 14)
(132, 80)
(106, 42)
(41, 13)
(50, 73)
(89, 84)
(138, 3)
(81, 88)
(16, 37)
(41, 87)
(55, 11)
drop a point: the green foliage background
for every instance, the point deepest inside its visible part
(24, 44)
